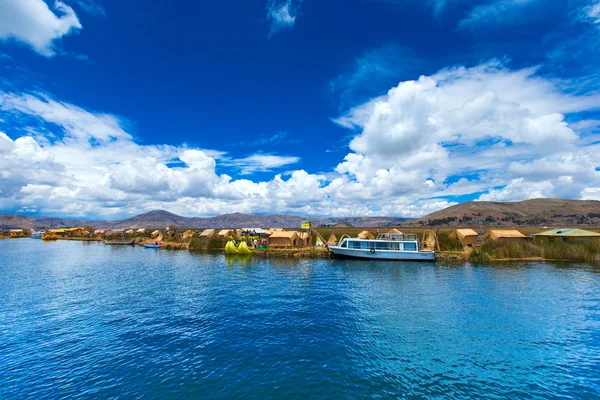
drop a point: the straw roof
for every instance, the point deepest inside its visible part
(155, 233)
(496, 234)
(188, 234)
(304, 235)
(366, 235)
(141, 230)
(271, 231)
(395, 232)
(332, 239)
(208, 232)
(285, 234)
(463, 233)
(227, 232)
(319, 242)
(561, 232)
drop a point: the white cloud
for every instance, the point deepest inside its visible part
(497, 12)
(486, 129)
(32, 22)
(593, 12)
(281, 15)
(263, 162)
(464, 120)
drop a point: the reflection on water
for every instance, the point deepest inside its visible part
(89, 320)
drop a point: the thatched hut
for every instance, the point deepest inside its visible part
(468, 237)
(285, 239)
(225, 233)
(188, 234)
(319, 242)
(366, 235)
(565, 235)
(271, 231)
(332, 240)
(209, 233)
(141, 230)
(394, 232)
(504, 236)
(306, 239)
(155, 234)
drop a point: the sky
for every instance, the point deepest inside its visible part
(111, 108)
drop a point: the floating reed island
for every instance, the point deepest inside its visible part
(474, 244)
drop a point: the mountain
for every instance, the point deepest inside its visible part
(15, 221)
(534, 212)
(537, 212)
(159, 219)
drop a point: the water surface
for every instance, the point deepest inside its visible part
(94, 321)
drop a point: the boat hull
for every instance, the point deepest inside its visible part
(383, 254)
(120, 242)
(152, 246)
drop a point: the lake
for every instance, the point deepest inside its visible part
(94, 321)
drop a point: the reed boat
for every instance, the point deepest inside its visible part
(384, 247)
(120, 242)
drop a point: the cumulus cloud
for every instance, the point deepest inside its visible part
(463, 130)
(281, 15)
(462, 120)
(33, 23)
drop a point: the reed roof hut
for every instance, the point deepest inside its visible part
(366, 235)
(285, 239)
(227, 232)
(208, 233)
(155, 234)
(504, 236)
(188, 234)
(332, 240)
(565, 235)
(394, 232)
(468, 237)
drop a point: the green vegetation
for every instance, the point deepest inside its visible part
(583, 251)
(207, 243)
(447, 244)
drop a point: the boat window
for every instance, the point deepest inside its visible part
(355, 244)
(395, 246)
(382, 245)
(345, 244)
(410, 246)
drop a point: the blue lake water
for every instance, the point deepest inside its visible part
(94, 321)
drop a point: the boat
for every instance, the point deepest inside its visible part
(385, 246)
(37, 235)
(120, 242)
(241, 249)
(153, 246)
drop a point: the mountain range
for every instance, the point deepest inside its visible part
(535, 212)
(159, 219)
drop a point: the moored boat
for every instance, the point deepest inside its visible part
(384, 247)
(153, 246)
(120, 242)
(37, 235)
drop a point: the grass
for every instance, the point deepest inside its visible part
(582, 251)
(207, 243)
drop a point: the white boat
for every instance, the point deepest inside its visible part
(37, 235)
(385, 247)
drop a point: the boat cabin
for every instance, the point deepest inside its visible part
(384, 241)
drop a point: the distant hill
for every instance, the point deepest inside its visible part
(536, 212)
(15, 221)
(160, 219)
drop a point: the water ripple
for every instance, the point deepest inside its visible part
(92, 321)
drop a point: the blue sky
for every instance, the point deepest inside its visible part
(366, 107)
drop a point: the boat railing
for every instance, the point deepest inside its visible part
(398, 237)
